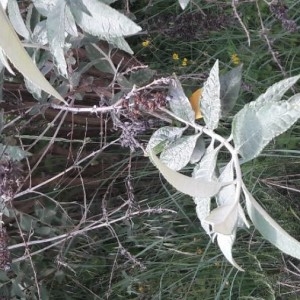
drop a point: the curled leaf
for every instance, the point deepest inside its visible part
(185, 184)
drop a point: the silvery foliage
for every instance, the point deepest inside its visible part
(54, 24)
(253, 127)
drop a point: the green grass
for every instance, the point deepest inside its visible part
(167, 255)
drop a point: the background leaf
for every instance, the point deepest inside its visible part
(178, 154)
(269, 228)
(17, 20)
(56, 35)
(104, 21)
(230, 84)
(14, 152)
(14, 50)
(210, 103)
(198, 151)
(179, 103)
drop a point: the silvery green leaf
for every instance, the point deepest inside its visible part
(275, 92)
(210, 102)
(56, 35)
(44, 6)
(17, 20)
(98, 59)
(119, 42)
(39, 34)
(163, 137)
(179, 103)
(14, 152)
(202, 211)
(16, 53)
(183, 3)
(223, 219)
(225, 243)
(142, 77)
(177, 154)
(227, 194)
(185, 184)
(205, 169)
(254, 128)
(5, 63)
(198, 151)
(4, 3)
(269, 228)
(70, 24)
(230, 84)
(247, 133)
(104, 21)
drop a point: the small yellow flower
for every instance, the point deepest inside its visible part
(175, 56)
(235, 59)
(146, 43)
(184, 62)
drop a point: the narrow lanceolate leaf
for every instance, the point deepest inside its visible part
(275, 92)
(185, 184)
(211, 103)
(183, 3)
(179, 103)
(223, 219)
(163, 137)
(70, 24)
(227, 194)
(17, 20)
(56, 35)
(202, 211)
(230, 84)
(225, 243)
(254, 128)
(16, 53)
(178, 154)
(269, 228)
(103, 21)
(198, 151)
(205, 169)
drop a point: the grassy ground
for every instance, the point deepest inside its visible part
(167, 255)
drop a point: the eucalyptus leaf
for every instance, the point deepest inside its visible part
(163, 137)
(225, 243)
(185, 184)
(210, 102)
(13, 49)
(178, 154)
(17, 20)
(56, 35)
(39, 34)
(179, 103)
(104, 21)
(230, 84)
(269, 228)
(183, 3)
(44, 6)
